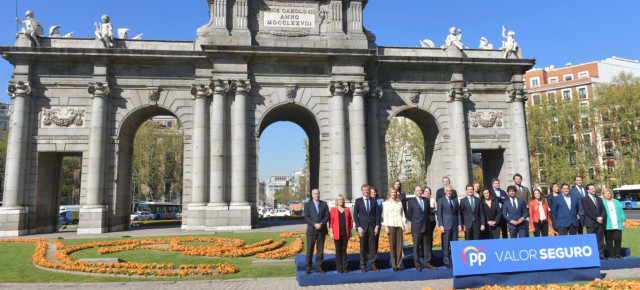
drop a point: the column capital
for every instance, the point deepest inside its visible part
(376, 93)
(359, 88)
(240, 87)
(219, 86)
(18, 88)
(339, 88)
(98, 89)
(200, 91)
(516, 95)
(458, 94)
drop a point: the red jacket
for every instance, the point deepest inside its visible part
(534, 213)
(334, 222)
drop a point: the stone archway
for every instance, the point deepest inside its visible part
(119, 217)
(304, 118)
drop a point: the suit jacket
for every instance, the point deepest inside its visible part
(534, 212)
(574, 191)
(419, 218)
(593, 211)
(448, 217)
(503, 195)
(403, 198)
(564, 215)
(513, 214)
(440, 193)
(493, 213)
(363, 219)
(525, 194)
(312, 217)
(468, 214)
(334, 222)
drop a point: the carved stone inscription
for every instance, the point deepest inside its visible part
(290, 17)
(63, 117)
(486, 119)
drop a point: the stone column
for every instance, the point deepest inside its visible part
(199, 156)
(458, 94)
(14, 182)
(338, 140)
(358, 133)
(519, 144)
(218, 114)
(97, 145)
(239, 147)
(375, 176)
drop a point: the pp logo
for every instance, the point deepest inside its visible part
(475, 256)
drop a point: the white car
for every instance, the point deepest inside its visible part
(141, 216)
(281, 212)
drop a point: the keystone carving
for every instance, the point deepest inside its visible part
(63, 117)
(154, 95)
(290, 92)
(18, 88)
(486, 119)
(415, 98)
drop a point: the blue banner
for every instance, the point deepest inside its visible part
(524, 254)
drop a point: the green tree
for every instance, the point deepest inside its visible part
(405, 153)
(617, 106)
(70, 180)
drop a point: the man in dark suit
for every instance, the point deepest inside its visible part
(418, 212)
(500, 195)
(367, 219)
(440, 193)
(316, 214)
(449, 219)
(470, 213)
(579, 191)
(595, 216)
(565, 208)
(516, 213)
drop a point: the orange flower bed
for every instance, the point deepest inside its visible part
(283, 252)
(296, 234)
(632, 224)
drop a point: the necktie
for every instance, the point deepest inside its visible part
(581, 191)
(515, 205)
(593, 197)
(366, 203)
(317, 208)
(421, 204)
(450, 203)
(473, 204)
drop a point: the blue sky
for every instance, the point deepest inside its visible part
(552, 32)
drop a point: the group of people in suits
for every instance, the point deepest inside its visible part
(482, 214)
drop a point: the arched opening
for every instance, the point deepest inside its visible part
(410, 142)
(283, 119)
(149, 167)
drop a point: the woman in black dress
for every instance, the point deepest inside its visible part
(555, 191)
(490, 216)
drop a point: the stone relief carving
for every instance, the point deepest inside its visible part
(415, 98)
(32, 28)
(516, 95)
(486, 119)
(62, 117)
(290, 92)
(104, 32)
(458, 94)
(509, 45)
(484, 43)
(154, 95)
(454, 38)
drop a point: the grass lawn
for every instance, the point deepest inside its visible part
(16, 265)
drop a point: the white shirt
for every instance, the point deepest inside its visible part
(612, 214)
(567, 199)
(514, 202)
(543, 215)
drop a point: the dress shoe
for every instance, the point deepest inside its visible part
(307, 272)
(374, 269)
(449, 267)
(319, 271)
(419, 269)
(363, 270)
(429, 266)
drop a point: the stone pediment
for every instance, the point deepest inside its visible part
(317, 24)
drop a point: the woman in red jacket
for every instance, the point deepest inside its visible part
(340, 225)
(539, 218)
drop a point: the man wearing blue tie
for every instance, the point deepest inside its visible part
(579, 191)
(449, 219)
(515, 212)
(316, 214)
(367, 219)
(419, 212)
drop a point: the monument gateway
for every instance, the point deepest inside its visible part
(253, 64)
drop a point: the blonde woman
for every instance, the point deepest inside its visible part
(340, 225)
(615, 223)
(395, 223)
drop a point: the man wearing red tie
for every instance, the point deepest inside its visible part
(579, 191)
